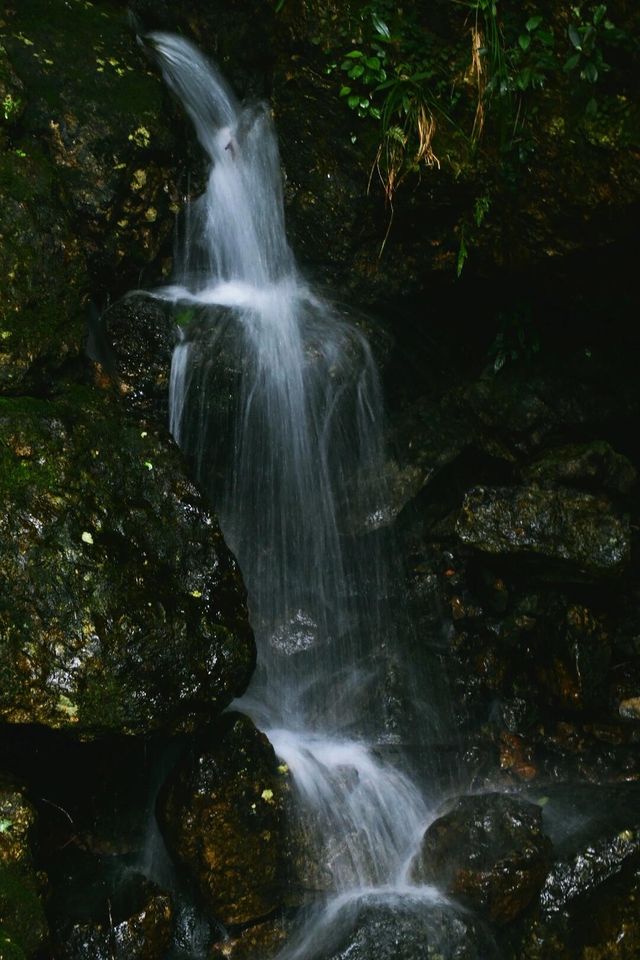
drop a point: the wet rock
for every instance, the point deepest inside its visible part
(597, 835)
(23, 926)
(577, 662)
(222, 812)
(44, 279)
(595, 465)
(121, 609)
(400, 928)
(489, 850)
(579, 532)
(98, 109)
(629, 709)
(122, 917)
(587, 908)
(140, 334)
(261, 941)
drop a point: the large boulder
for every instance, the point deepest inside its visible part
(587, 908)
(489, 850)
(222, 813)
(406, 927)
(579, 532)
(121, 609)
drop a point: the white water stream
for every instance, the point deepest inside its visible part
(275, 396)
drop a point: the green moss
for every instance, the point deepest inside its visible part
(9, 949)
(22, 918)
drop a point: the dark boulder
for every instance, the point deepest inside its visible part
(401, 927)
(593, 465)
(587, 907)
(139, 334)
(579, 532)
(490, 851)
(222, 813)
(124, 917)
(121, 610)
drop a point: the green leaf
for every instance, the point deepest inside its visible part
(523, 80)
(380, 26)
(421, 75)
(354, 101)
(356, 71)
(533, 23)
(375, 113)
(355, 54)
(591, 108)
(590, 72)
(373, 63)
(463, 253)
(525, 41)
(575, 36)
(572, 62)
(481, 208)
(599, 12)
(345, 91)
(588, 40)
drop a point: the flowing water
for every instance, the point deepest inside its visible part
(275, 397)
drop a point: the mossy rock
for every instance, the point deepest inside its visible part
(22, 918)
(43, 275)
(97, 106)
(121, 609)
(9, 949)
(23, 927)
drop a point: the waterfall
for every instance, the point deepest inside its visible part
(275, 397)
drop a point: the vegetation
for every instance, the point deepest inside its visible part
(472, 83)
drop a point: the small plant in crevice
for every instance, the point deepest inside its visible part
(517, 339)
(474, 97)
(468, 229)
(10, 106)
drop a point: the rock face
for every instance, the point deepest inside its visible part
(578, 530)
(222, 812)
(122, 610)
(490, 851)
(23, 926)
(41, 310)
(88, 179)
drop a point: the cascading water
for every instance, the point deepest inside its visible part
(275, 397)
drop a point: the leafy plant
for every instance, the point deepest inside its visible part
(10, 106)
(585, 35)
(517, 338)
